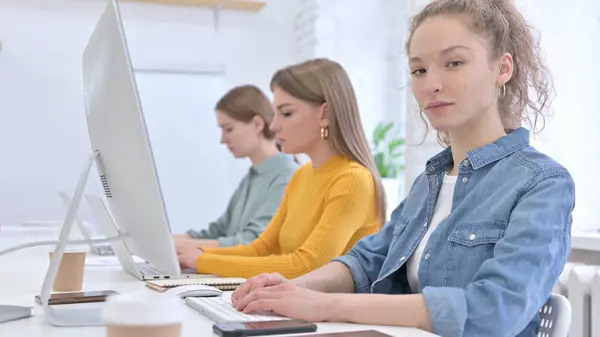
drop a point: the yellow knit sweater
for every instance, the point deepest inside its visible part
(323, 213)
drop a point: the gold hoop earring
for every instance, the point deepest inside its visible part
(325, 133)
(502, 93)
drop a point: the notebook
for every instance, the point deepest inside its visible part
(223, 284)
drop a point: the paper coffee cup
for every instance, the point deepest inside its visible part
(71, 269)
(143, 314)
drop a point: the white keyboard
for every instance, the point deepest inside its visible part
(220, 310)
(148, 269)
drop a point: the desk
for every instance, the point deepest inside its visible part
(23, 273)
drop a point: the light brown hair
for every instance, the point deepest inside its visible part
(507, 31)
(320, 81)
(244, 102)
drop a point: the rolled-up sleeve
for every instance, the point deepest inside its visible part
(509, 289)
(215, 229)
(358, 272)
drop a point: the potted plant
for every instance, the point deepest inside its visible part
(388, 152)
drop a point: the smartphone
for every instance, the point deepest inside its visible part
(77, 297)
(262, 328)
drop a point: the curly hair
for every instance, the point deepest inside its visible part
(507, 32)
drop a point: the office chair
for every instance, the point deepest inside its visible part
(555, 317)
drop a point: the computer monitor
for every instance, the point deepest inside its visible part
(117, 131)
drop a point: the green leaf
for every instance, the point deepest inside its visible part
(379, 162)
(394, 144)
(387, 149)
(381, 131)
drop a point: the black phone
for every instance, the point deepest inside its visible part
(262, 328)
(77, 297)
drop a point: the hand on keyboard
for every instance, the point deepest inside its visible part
(219, 309)
(255, 283)
(290, 300)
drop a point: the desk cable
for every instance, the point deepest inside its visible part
(55, 242)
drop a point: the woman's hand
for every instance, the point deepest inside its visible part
(181, 241)
(290, 300)
(255, 283)
(195, 243)
(181, 237)
(188, 256)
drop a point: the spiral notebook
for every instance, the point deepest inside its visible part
(223, 284)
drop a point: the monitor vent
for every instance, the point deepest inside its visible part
(104, 182)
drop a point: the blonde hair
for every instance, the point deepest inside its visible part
(244, 102)
(507, 32)
(321, 81)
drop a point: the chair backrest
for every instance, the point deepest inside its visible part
(555, 317)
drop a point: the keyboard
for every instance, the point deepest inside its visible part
(220, 310)
(104, 250)
(148, 269)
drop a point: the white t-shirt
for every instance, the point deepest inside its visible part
(443, 208)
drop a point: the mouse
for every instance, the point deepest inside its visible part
(194, 290)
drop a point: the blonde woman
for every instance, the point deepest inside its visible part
(331, 202)
(244, 114)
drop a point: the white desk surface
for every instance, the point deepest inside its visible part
(22, 274)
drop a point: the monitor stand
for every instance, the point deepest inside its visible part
(71, 315)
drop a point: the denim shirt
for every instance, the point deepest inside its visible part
(490, 265)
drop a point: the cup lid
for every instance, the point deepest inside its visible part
(143, 308)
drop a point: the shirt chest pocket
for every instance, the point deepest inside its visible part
(395, 247)
(470, 245)
(399, 226)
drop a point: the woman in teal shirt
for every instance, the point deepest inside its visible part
(244, 115)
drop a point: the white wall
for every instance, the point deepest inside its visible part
(572, 45)
(43, 138)
(356, 34)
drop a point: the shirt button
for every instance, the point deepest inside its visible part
(425, 224)
(465, 162)
(464, 180)
(427, 256)
(402, 258)
(472, 236)
(431, 168)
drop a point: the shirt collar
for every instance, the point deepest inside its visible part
(272, 163)
(479, 157)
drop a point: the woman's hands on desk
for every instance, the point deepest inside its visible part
(188, 255)
(272, 292)
(255, 283)
(196, 243)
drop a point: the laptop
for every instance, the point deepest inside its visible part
(144, 271)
